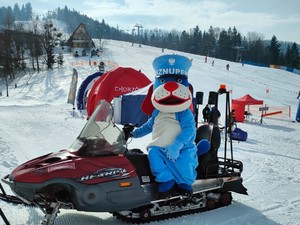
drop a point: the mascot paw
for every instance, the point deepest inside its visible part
(185, 190)
(202, 147)
(172, 151)
(172, 156)
(166, 186)
(166, 189)
(127, 129)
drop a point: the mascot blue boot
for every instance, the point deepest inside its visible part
(172, 153)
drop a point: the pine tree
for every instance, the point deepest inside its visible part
(224, 45)
(17, 11)
(295, 57)
(274, 51)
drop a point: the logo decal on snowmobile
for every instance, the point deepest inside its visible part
(70, 166)
(106, 173)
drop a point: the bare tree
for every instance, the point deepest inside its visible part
(36, 45)
(50, 36)
(20, 46)
(30, 47)
(7, 50)
(7, 60)
(254, 36)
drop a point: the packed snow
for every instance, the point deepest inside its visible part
(36, 119)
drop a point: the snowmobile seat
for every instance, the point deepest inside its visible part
(141, 163)
(208, 162)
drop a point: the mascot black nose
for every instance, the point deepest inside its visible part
(171, 86)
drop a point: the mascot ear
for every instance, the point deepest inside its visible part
(192, 105)
(191, 88)
(147, 106)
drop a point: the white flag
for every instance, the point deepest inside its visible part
(73, 87)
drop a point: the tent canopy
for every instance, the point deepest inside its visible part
(238, 105)
(115, 83)
(247, 100)
(84, 88)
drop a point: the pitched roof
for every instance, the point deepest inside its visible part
(85, 37)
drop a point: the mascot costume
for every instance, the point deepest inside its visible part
(172, 153)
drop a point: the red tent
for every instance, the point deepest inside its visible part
(238, 105)
(115, 83)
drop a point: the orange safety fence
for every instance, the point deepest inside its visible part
(108, 63)
(273, 111)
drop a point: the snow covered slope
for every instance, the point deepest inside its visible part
(36, 119)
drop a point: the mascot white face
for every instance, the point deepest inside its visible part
(171, 93)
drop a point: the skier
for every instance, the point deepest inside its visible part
(227, 67)
(214, 115)
(205, 113)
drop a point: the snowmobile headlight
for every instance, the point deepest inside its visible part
(125, 184)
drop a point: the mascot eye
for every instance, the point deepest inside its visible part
(162, 81)
(179, 80)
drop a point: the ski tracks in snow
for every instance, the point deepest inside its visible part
(269, 172)
(6, 153)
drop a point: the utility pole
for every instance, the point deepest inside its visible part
(239, 49)
(139, 27)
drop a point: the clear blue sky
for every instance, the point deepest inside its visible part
(266, 17)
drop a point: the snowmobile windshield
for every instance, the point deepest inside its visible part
(100, 136)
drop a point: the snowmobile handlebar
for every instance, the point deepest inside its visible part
(6, 181)
(127, 128)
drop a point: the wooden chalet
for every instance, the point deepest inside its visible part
(81, 40)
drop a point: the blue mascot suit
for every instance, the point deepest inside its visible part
(172, 153)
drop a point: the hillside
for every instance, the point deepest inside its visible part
(36, 120)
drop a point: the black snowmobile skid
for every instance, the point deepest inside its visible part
(10, 199)
(4, 217)
(99, 174)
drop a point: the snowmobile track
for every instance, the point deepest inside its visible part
(160, 217)
(145, 214)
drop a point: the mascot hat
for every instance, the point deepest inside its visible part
(175, 65)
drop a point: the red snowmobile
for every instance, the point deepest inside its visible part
(98, 173)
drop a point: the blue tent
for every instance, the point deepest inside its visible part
(85, 86)
(132, 110)
(298, 113)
